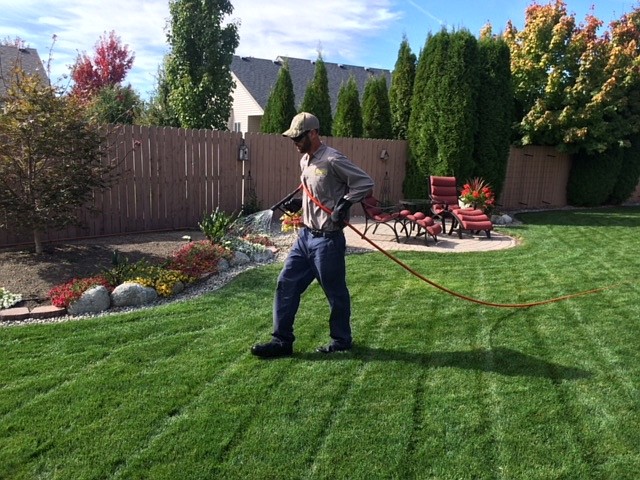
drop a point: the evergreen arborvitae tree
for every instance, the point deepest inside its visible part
(281, 105)
(422, 123)
(158, 111)
(317, 99)
(495, 112)
(443, 121)
(627, 182)
(593, 176)
(401, 90)
(114, 104)
(348, 121)
(376, 112)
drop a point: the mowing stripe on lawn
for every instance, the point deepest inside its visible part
(435, 387)
(340, 423)
(95, 360)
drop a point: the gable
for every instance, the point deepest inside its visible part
(28, 58)
(258, 76)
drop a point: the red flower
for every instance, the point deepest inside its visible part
(477, 193)
(198, 258)
(67, 293)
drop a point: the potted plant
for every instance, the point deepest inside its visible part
(477, 193)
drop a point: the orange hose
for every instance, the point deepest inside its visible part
(447, 290)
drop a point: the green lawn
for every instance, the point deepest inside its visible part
(436, 387)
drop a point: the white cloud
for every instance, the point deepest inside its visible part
(358, 32)
(78, 25)
(340, 28)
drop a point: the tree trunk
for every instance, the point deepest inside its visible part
(37, 240)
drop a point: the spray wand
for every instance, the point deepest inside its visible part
(280, 204)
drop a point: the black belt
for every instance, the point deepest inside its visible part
(323, 233)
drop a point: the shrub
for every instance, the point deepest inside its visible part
(162, 280)
(259, 239)
(217, 224)
(8, 299)
(593, 177)
(236, 244)
(67, 293)
(198, 258)
(124, 271)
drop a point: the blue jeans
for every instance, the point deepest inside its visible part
(320, 258)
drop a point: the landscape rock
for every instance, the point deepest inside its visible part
(131, 294)
(223, 265)
(94, 300)
(263, 256)
(240, 258)
(501, 219)
(177, 288)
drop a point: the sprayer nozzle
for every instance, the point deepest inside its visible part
(284, 200)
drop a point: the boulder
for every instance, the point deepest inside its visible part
(94, 300)
(240, 258)
(501, 219)
(263, 256)
(223, 265)
(177, 288)
(131, 294)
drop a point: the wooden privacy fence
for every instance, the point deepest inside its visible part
(536, 178)
(168, 178)
(274, 168)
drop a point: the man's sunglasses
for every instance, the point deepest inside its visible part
(300, 137)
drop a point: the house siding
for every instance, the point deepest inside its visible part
(255, 78)
(244, 107)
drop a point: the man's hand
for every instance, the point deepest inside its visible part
(340, 211)
(294, 205)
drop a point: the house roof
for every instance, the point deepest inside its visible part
(29, 60)
(260, 75)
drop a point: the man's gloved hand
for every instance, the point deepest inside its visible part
(294, 205)
(340, 211)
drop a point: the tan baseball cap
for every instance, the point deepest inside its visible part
(301, 123)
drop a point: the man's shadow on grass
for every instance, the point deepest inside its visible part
(501, 360)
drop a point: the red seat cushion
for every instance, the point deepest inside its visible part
(383, 217)
(473, 219)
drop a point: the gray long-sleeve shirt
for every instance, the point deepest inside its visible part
(329, 176)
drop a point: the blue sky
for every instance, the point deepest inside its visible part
(356, 32)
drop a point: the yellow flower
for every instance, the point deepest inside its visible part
(291, 221)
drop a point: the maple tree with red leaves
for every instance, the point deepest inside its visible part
(108, 67)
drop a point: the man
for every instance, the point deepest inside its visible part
(319, 251)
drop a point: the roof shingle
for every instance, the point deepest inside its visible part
(259, 76)
(29, 60)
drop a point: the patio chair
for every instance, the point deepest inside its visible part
(473, 221)
(421, 223)
(444, 197)
(443, 194)
(375, 215)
